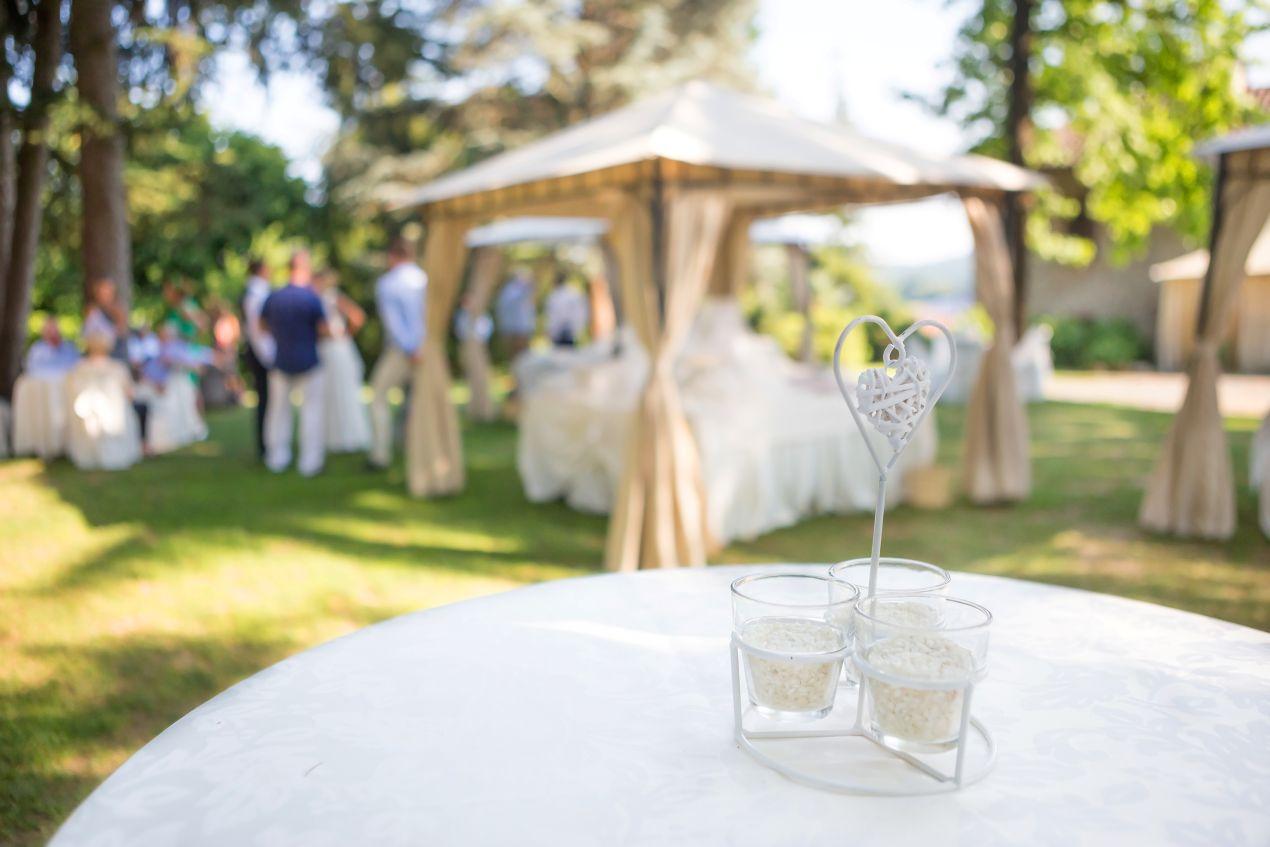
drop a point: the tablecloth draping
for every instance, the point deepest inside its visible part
(39, 416)
(775, 439)
(598, 711)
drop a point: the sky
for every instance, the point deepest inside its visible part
(810, 54)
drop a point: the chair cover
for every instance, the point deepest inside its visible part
(173, 419)
(39, 416)
(102, 432)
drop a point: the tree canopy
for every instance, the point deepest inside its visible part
(1122, 91)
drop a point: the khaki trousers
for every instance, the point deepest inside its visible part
(393, 370)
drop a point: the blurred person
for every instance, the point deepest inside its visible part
(400, 301)
(468, 325)
(143, 348)
(104, 315)
(294, 316)
(566, 313)
(51, 354)
(515, 313)
(221, 386)
(347, 427)
(258, 352)
(183, 311)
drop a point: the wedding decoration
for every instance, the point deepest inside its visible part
(916, 653)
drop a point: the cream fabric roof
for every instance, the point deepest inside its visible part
(549, 229)
(704, 125)
(1249, 138)
(1193, 265)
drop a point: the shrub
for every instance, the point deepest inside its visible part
(1087, 343)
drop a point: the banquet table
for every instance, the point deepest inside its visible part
(597, 710)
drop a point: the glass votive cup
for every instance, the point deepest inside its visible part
(916, 655)
(793, 641)
(895, 576)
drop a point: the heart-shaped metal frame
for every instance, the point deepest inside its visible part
(894, 355)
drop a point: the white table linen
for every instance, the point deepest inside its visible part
(39, 415)
(598, 711)
(777, 442)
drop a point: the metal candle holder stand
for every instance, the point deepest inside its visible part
(895, 404)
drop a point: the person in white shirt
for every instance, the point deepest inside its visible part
(258, 352)
(51, 355)
(566, 309)
(399, 299)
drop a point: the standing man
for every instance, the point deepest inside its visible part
(516, 313)
(258, 353)
(566, 310)
(294, 316)
(399, 298)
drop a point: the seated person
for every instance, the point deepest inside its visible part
(102, 430)
(567, 313)
(51, 354)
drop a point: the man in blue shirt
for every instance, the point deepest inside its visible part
(399, 298)
(293, 315)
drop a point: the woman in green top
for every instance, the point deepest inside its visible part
(183, 312)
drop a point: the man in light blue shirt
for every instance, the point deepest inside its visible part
(51, 355)
(399, 298)
(516, 313)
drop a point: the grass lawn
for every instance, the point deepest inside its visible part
(127, 599)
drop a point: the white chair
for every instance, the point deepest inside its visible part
(102, 430)
(173, 420)
(39, 416)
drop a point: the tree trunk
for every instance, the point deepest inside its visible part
(107, 248)
(19, 277)
(1017, 118)
(7, 123)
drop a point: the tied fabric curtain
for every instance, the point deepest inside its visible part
(1191, 491)
(800, 288)
(732, 264)
(998, 467)
(434, 446)
(487, 264)
(659, 516)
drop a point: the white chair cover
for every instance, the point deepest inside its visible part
(173, 420)
(102, 431)
(39, 416)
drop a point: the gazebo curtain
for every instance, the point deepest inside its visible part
(732, 266)
(998, 467)
(800, 288)
(659, 516)
(1191, 491)
(434, 448)
(487, 264)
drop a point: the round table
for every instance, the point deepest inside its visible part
(598, 711)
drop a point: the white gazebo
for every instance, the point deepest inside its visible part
(1191, 491)
(679, 178)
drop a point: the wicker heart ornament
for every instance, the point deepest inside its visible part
(895, 398)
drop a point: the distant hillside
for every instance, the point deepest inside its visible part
(949, 279)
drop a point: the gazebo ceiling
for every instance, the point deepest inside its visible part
(701, 133)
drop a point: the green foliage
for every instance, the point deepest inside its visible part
(1122, 93)
(1086, 343)
(200, 202)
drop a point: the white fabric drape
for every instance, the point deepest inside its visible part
(659, 516)
(998, 465)
(434, 446)
(39, 416)
(1191, 491)
(487, 264)
(800, 289)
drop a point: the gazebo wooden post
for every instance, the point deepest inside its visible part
(1206, 284)
(657, 215)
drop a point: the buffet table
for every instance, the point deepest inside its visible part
(598, 711)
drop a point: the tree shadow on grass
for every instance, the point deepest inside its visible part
(215, 496)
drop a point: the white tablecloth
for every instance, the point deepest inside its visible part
(39, 416)
(597, 711)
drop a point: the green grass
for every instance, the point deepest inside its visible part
(127, 599)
